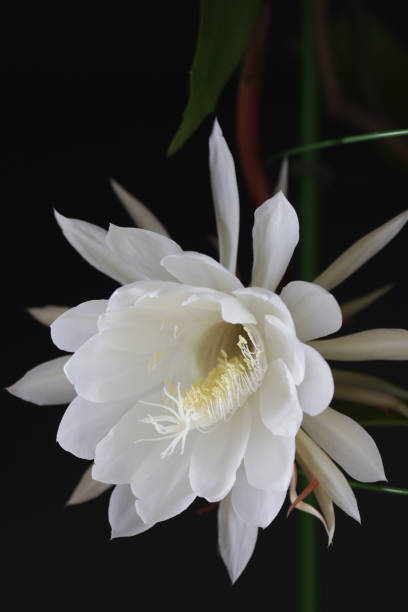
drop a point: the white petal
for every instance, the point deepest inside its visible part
(262, 302)
(315, 311)
(360, 252)
(352, 307)
(87, 489)
(277, 401)
(138, 212)
(236, 539)
(77, 325)
(275, 236)
(123, 517)
(366, 346)
(166, 492)
(142, 251)
(225, 196)
(217, 455)
(46, 384)
(84, 424)
(89, 241)
(269, 458)
(230, 309)
(311, 457)
(47, 314)
(347, 443)
(369, 382)
(255, 506)
(282, 343)
(128, 452)
(316, 391)
(282, 182)
(197, 269)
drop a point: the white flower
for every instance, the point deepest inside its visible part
(185, 383)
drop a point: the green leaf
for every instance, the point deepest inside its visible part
(224, 31)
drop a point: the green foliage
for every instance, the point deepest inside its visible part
(225, 26)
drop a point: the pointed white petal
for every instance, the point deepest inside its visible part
(89, 241)
(349, 309)
(316, 391)
(141, 251)
(312, 458)
(360, 252)
(347, 443)
(217, 455)
(87, 489)
(255, 506)
(263, 302)
(77, 325)
(324, 500)
(123, 517)
(84, 424)
(366, 346)
(368, 382)
(198, 269)
(138, 212)
(230, 309)
(277, 401)
(282, 343)
(166, 492)
(47, 314)
(46, 384)
(315, 311)
(275, 236)
(225, 196)
(370, 397)
(282, 182)
(269, 458)
(236, 539)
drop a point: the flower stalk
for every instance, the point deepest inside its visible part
(308, 536)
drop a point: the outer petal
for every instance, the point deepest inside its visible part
(262, 302)
(352, 307)
(89, 241)
(77, 325)
(317, 389)
(309, 455)
(347, 443)
(269, 458)
(138, 212)
(142, 251)
(46, 384)
(217, 455)
(197, 269)
(166, 492)
(226, 199)
(366, 346)
(315, 311)
(87, 489)
(282, 182)
(360, 252)
(277, 401)
(123, 517)
(84, 424)
(275, 236)
(282, 343)
(255, 506)
(47, 314)
(236, 539)
(367, 381)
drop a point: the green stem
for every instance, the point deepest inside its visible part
(378, 488)
(309, 596)
(334, 142)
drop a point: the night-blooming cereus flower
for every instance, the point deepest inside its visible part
(184, 383)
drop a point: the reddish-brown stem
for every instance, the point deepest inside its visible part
(248, 109)
(207, 508)
(310, 487)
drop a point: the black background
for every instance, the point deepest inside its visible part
(96, 89)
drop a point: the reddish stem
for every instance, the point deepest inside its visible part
(248, 109)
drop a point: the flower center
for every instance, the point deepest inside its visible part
(226, 388)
